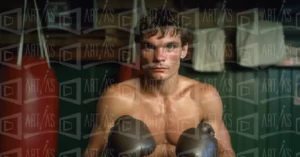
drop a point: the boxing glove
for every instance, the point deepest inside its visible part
(197, 142)
(129, 137)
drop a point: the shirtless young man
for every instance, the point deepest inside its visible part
(164, 103)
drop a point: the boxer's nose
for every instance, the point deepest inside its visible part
(159, 55)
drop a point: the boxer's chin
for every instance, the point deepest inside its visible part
(158, 76)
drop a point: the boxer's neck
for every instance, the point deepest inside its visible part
(160, 88)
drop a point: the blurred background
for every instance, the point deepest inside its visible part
(89, 47)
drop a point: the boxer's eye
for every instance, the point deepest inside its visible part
(149, 47)
(171, 47)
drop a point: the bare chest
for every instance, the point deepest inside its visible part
(167, 118)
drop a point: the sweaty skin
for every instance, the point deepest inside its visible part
(165, 101)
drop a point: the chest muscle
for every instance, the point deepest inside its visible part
(167, 119)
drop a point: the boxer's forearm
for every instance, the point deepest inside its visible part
(96, 144)
(224, 144)
(91, 152)
(226, 153)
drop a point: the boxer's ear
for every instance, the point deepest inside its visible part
(184, 51)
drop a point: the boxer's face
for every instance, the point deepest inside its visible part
(160, 55)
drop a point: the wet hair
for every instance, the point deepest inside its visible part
(161, 20)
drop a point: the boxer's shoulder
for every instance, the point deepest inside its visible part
(208, 98)
(126, 89)
(199, 90)
(204, 94)
(117, 99)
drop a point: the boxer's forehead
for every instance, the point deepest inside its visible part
(162, 34)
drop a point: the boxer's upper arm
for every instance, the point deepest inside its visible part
(212, 105)
(112, 104)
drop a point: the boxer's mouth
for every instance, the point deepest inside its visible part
(158, 69)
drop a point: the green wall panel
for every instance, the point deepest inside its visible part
(79, 93)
